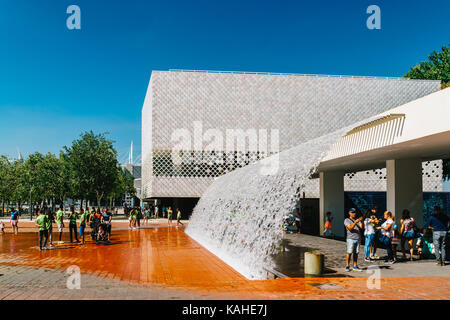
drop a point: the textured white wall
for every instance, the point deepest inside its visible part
(300, 107)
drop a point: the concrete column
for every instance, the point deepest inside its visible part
(404, 188)
(332, 199)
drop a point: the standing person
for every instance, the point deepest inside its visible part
(106, 219)
(408, 231)
(387, 234)
(395, 240)
(73, 224)
(169, 216)
(179, 217)
(60, 222)
(164, 212)
(133, 217)
(370, 221)
(327, 227)
(156, 212)
(51, 220)
(138, 217)
(377, 232)
(41, 223)
(84, 216)
(438, 222)
(14, 220)
(298, 220)
(91, 217)
(95, 223)
(2, 227)
(146, 214)
(354, 227)
(130, 219)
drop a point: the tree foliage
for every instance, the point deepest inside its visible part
(93, 163)
(437, 67)
(87, 170)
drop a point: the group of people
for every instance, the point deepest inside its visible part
(136, 214)
(99, 222)
(430, 240)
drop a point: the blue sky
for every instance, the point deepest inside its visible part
(56, 83)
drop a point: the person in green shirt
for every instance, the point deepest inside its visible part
(169, 215)
(60, 222)
(73, 224)
(179, 217)
(83, 220)
(41, 223)
(50, 220)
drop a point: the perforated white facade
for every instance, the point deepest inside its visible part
(291, 107)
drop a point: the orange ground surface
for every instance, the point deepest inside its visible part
(165, 257)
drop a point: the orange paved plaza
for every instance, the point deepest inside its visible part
(161, 257)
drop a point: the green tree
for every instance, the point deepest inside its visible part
(93, 163)
(8, 183)
(34, 176)
(124, 184)
(65, 179)
(437, 67)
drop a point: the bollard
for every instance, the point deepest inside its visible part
(314, 262)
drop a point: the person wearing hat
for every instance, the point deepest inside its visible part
(354, 227)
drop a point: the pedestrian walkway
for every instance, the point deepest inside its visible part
(160, 262)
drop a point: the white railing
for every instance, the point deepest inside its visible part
(288, 74)
(376, 136)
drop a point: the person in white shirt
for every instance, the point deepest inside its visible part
(370, 221)
(387, 232)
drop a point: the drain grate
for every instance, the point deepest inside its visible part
(326, 286)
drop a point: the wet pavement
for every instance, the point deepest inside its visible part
(161, 262)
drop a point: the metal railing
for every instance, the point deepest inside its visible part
(289, 74)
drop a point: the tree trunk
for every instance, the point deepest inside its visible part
(53, 204)
(99, 199)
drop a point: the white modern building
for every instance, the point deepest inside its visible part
(399, 140)
(197, 125)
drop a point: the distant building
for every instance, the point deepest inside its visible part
(136, 171)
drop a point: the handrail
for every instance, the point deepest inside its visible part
(291, 74)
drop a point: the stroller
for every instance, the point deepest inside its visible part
(99, 231)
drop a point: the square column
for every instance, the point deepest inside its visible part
(404, 188)
(332, 199)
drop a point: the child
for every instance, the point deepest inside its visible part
(327, 228)
(425, 245)
(169, 216)
(101, 232)
(179, 217)
(2, 227)
(395, 242)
